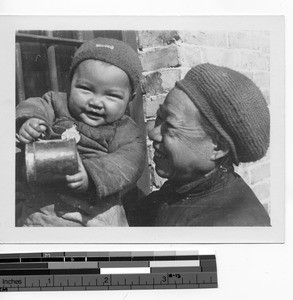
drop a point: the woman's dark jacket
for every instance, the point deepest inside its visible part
(221, 198)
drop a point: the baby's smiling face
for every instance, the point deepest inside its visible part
(99, 93)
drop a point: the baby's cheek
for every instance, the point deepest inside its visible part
(114, 113)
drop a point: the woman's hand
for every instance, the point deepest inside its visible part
(79, 181)
(31, 130)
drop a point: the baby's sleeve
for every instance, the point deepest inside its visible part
(35, 107)
(121, 168)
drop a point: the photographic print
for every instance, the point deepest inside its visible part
(149, 133)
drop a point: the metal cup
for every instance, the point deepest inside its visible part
(49, 161)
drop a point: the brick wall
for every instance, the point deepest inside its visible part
(166, 56)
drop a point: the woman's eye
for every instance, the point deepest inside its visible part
(170, 129)
(172, 132)
(169, 125)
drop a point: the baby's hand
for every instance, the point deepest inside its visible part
(31, 130)
(80, 180)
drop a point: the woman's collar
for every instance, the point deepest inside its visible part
(206, 182)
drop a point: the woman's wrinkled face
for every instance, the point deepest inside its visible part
(183, 150)
(99, 93)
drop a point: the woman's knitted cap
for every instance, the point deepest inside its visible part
(233, 105)
(113, 52)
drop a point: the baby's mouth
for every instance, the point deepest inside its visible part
(95, 115)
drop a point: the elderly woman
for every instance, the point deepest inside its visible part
(215, 117)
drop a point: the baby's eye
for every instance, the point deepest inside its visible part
(84, 87)
(116, 96)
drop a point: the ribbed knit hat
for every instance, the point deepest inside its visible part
(233, 105)
(111, 51)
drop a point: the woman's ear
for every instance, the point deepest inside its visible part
(218, 153)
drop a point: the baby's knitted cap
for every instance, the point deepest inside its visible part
(233, 105)
(111, 51)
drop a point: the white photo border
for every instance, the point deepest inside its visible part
(11, 234)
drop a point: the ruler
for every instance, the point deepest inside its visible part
(69, 271)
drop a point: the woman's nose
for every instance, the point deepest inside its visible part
(154, 133)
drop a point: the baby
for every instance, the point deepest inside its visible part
(104, 75)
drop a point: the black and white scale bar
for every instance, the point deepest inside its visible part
(109, 281)
(106, 267)
(107, 270)
(104, 256)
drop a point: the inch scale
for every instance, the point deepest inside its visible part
(69, 271)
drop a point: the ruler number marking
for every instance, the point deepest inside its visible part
(105, 280)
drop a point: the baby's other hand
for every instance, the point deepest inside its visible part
(31, 130)
(80, 180)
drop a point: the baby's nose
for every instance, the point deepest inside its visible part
(96, 102)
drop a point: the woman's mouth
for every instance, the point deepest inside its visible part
(159, 154)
